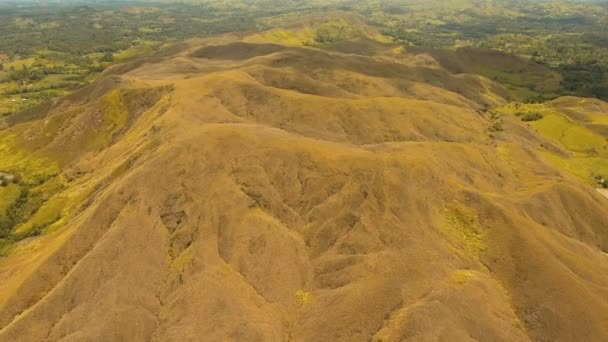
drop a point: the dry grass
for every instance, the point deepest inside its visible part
(301, 193)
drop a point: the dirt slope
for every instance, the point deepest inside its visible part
(245, 192)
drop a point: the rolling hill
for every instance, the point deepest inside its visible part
(264, 188)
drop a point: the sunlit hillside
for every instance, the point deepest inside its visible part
(303, 171)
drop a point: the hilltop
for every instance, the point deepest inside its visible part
(279, 186)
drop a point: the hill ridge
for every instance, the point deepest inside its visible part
(197, 202)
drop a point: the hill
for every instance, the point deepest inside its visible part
(243, 188)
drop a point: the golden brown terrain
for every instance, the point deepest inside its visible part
(236, 189)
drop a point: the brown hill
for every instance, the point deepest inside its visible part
(259, 192)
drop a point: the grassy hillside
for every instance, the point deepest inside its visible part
(578, 126)
(259, 187)
(561, 45)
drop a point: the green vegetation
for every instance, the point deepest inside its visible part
(21, 161)
(601, 180)
(38, 184)
(585, 168)
(569, 134)
(48, 51)
(8, 195)
(464, 228)
(587, 149)
(461, 277)
(114, 119)
(302, 297)
(335, 31)
(532, 116)
(495, 123)
(567, 36)
(14, 213)
(29, 210)
(42, 56)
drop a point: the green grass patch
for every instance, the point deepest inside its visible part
(147, 29)
(463, 227)
(572, 136)
(114, 119)
(460, 277)
(302, 297)
(286, 37)
(49, 213)
(59, 81)
(522, 93)
(15, 158)
(335, 31)
(585, 168)
(49, 25)
(142, 49)
(17, 211)
(8, 195)
(20, 64)
(516, 79)
(598, 118)
(96, 56)
(115, 113)
(532, 116)
(115, 116)
(32, 211)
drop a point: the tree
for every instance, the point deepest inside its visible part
(107, 57)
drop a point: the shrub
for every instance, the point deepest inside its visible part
(495, 126)
(531, 116)
(14, 214)
(601, 181)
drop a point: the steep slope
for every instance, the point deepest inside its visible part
(260, 192)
